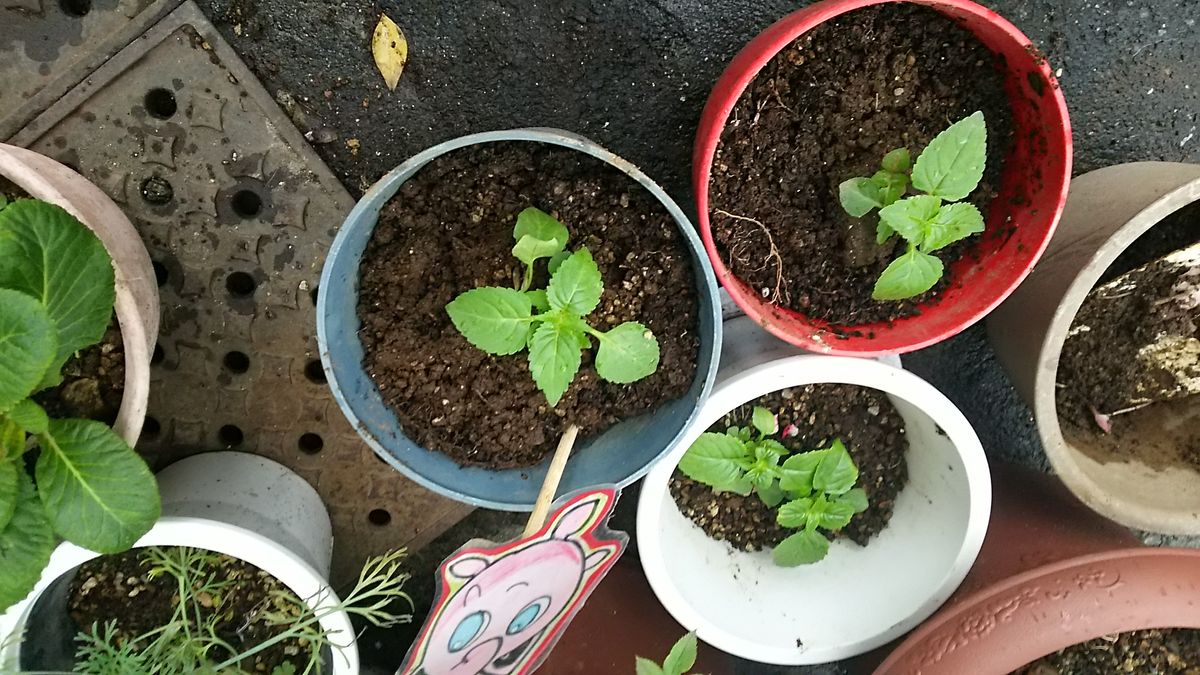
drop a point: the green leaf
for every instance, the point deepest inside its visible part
(891, 186)
(29, 416)
(713, 460)
(496, 320)
(883, 232)
(10, 489)
(577, 285)
(554, 358)
(26, 543)
(797, 472)
(530, 249)
(953, 222)
(909, 275)
(764, 420)
(27, 346)
(859, 196)
(3, 201)
(911, 217)
(795, 512)
(771, 495)
(836, 515)
(647, 667)
(856, 499)
(897, 161)
(97, 492)
(836, 473)
(539, 300)
(803, 548)
(627, 353)
(772, 447)
(48, 254)
(682, 656)
(536, 223)
(952, 164)
(557, 260)
(12, 440)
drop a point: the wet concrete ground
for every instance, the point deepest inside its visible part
(634, 75)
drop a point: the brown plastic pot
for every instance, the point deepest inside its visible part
(1107, 210)
(621, 621)
(136, 304)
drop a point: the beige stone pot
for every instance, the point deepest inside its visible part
(137, 291)
(1107, 210)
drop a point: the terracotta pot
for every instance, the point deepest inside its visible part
(136, 304)
(1028, 616)
(1108, 209)
(621, 621)
(1037, 171)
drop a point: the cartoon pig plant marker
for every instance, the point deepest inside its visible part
(501, 608)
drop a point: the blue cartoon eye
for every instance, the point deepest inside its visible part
(528, 615)
(467, 630)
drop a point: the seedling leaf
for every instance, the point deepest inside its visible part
(896, 161)
(891, 186)
(647, 667)
(856, 499)
(536, 223)
(883, 232)
(682, 656)
(495, 320)
(764, 420)
(796, 474)
(557, 260)
(795, 513)
(627, 353)
(802, 548)
(859, 196)
(953, 222)
(911, 217)
(909, 275)
(713, 460)
(529, 249)
(10, 489)
(577, 285)
(951, 166)
(29, 416)
(836, 473)
(26, 543)
(539, 300)
(836, 515)
(27, 345)
(772, 495)
(554, 358)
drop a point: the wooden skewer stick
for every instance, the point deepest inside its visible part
(541, 508)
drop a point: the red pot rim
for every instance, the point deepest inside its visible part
(1025, 617)
(811, 333)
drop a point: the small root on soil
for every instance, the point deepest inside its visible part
(779, 294)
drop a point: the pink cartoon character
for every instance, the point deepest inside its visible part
(501, 609)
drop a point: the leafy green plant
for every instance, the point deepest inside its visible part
(188, 642)
(87, 485)
(549, 322)
(813, 490)
(681, 658)
(948, 170)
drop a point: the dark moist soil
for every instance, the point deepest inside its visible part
(826, 109)
(448, 230)
(868, 425)
(1144, 652)
(93, 381)
(118, 588)
(1098, 364)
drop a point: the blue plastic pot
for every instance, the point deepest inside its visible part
(619, 456)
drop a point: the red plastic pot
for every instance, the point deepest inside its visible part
(1033, 190)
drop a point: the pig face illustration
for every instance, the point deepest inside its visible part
(512, 603)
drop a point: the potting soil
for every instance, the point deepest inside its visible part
(93, 381)
(1145, 652)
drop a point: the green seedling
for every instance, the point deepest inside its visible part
(948, 170)
(681, 658)
(549, 322)
(812, 490)
(87, 485)
(190, 640)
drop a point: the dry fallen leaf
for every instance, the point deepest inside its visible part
(390, 50)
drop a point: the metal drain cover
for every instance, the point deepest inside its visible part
(237, 213)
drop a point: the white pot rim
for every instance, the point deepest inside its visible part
(231, 540)
(802, 370)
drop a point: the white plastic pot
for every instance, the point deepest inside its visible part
(241, 505)
(857, 598)
(136, 304)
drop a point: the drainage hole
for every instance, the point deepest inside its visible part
(160, 273)
(160, 103)
(246, 203)
(311, 443)
(151, 428)
(230, 436)
(379, 517)
(76, 7)
(158, 355)
(157, 190)
(240, 284)
(237, 362)
(314, 372)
